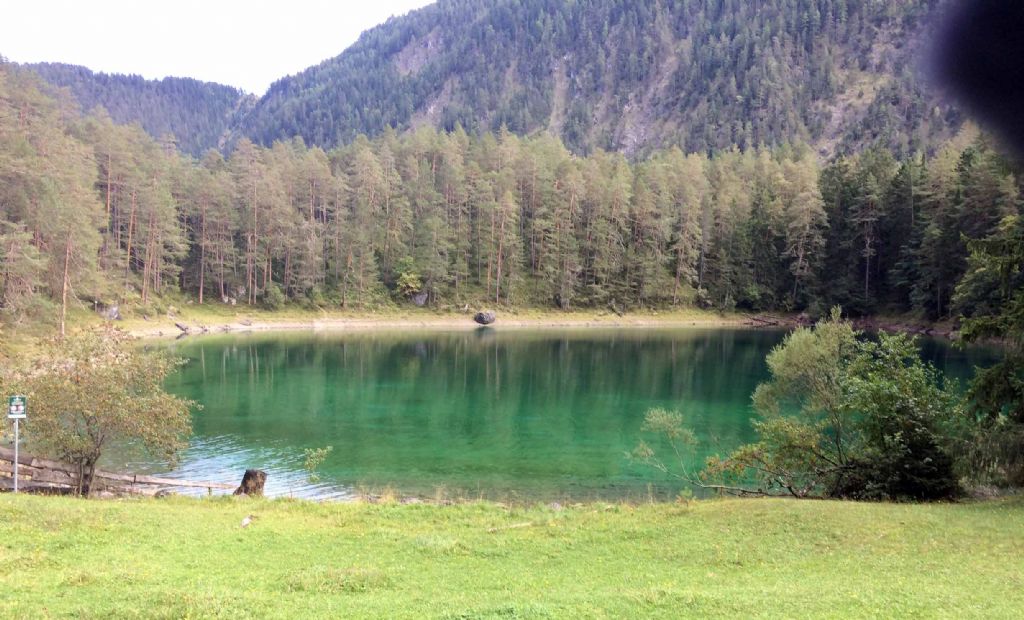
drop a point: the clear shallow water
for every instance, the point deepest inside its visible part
(538, 414)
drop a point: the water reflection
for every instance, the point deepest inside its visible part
(485, 412)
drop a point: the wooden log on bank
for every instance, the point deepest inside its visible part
(252, 483)
(41, 488)
(46, 473)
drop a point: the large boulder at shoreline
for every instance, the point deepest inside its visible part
(485, 318)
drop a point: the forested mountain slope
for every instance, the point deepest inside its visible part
(629, 76)
(198, 114)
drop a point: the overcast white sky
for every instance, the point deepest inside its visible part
(247, 44)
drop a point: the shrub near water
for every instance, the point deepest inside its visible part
(841, 417)
(92, 389)
(905, 421)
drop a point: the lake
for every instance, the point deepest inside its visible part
(500, 414)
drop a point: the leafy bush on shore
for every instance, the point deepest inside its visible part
(841, 417)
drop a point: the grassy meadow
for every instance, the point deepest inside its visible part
(181, 557)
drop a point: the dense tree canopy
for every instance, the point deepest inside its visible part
(103, 213)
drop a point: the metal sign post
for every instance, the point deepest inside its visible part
(16, 409)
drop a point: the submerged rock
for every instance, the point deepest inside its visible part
(485, 318)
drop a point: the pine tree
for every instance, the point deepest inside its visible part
(805, 220)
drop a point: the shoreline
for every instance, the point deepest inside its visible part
(195, 320)
(172, 327)
(175, 327)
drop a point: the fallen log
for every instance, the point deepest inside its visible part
(762, 321)
(46, 488)
(46, 471)
(8, 455)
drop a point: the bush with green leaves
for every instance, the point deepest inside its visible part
(841, 416)
(907, 423)
(273, 297)
(315, 457)
(98, 388)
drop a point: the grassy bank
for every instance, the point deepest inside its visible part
(191, 558)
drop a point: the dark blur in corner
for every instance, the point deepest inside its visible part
(980, 58)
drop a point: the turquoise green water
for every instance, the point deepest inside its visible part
(531, 414)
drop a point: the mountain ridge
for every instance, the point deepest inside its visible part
(200, 115)
(631, 77)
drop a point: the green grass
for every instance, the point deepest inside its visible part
(737, 559)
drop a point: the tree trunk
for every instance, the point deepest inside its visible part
(107, 223)
(679, 270)
(268, 276)
(88, 475)
(700, 270)
(250, 262)
(149, 258)
(219, 257)
(490, 255)
(252, 483)
(254, 246)
(867, 269)
(64, 286)
(287, 279)
(131, 224)
(501, 249)
(202, 252)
